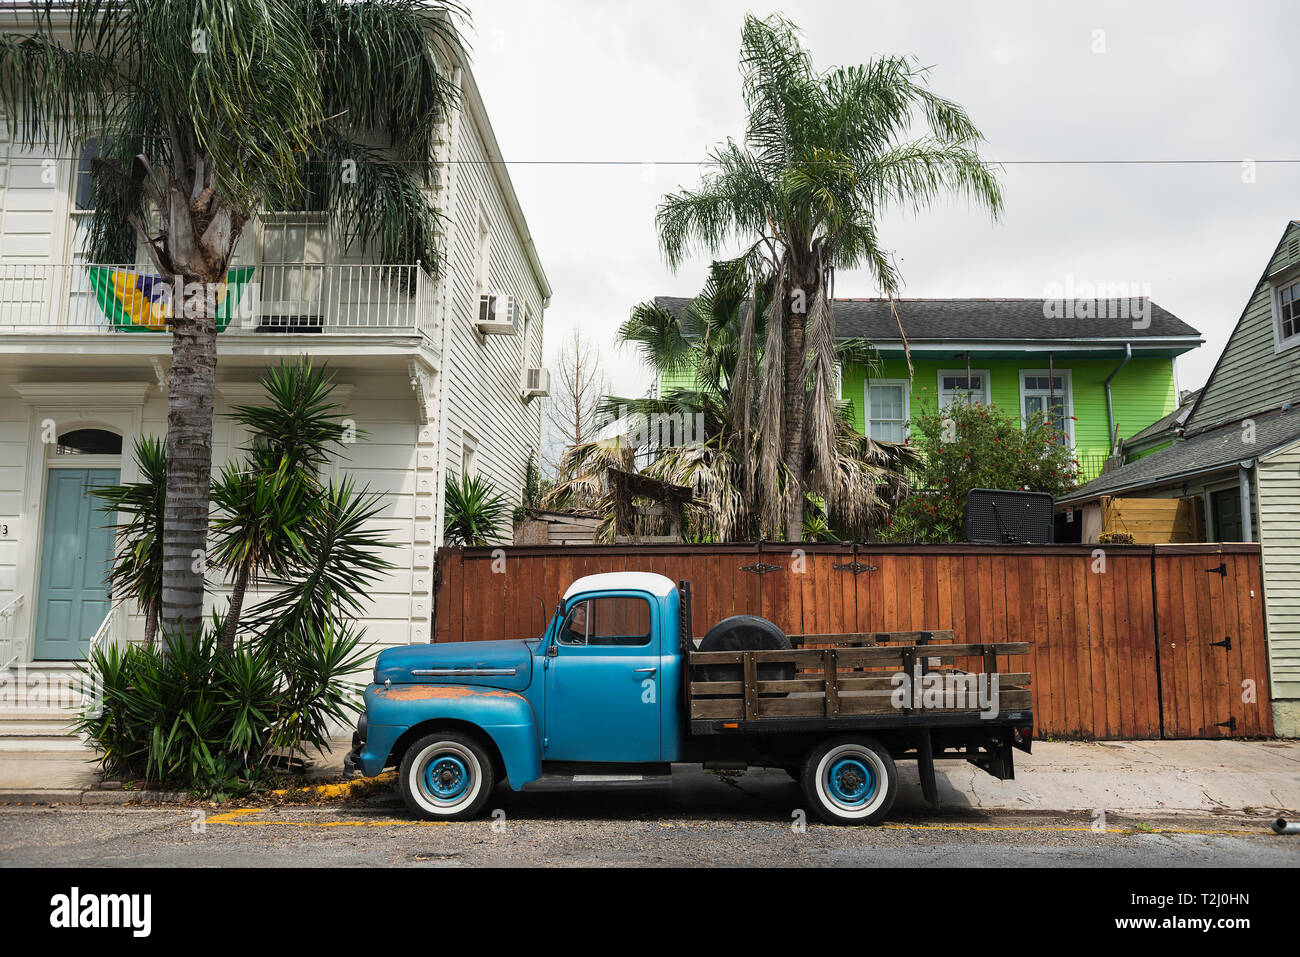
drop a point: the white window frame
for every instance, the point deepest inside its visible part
(482, 254)
(907, 405)
(1067, 391)
(1276, 286)
(987, 380)
(468, 454)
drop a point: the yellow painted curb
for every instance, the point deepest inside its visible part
(342, 789)
(238, 818)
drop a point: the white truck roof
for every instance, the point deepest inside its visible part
(656, 585)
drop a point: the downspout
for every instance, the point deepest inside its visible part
(1244, 485)
(1110, 405)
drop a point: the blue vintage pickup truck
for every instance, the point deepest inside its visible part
(616, 689)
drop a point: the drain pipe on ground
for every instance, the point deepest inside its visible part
(1110, 406)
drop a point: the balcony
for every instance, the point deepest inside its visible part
(130, 303)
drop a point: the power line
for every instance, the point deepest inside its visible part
(709, 162)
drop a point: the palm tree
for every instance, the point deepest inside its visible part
(868, 476)
(208, 112)
(824, 154)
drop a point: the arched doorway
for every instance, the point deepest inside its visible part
(72, 597)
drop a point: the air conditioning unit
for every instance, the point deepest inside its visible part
(537, 382)
(498, 315)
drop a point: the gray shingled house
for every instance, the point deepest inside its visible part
(1237, 461)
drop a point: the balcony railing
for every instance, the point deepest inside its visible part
(1091, 466)
(84, 298)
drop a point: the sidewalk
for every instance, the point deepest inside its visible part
(1225, 777)
(1242, 777)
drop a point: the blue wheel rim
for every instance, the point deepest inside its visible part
(446, 778)
(851, 782)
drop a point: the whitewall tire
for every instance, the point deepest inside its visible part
(446, 776)
(850, 780)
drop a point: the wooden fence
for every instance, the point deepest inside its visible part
(1124, 642)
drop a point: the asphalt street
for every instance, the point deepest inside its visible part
(746, 821)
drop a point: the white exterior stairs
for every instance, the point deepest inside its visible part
(39, 701)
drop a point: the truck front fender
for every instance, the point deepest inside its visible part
(503, 716)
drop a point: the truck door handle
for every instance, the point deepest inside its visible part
(645, 671)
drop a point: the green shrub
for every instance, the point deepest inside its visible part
(191, 715)
(972, 446)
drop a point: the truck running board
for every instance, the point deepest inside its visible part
(580, 778)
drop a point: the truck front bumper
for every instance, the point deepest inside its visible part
(352, 760)
(371, 747)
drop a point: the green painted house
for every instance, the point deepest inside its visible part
(1106, 368)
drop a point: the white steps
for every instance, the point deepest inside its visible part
(38, 707)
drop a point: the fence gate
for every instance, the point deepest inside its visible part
(1211, 641)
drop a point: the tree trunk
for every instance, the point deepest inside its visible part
(150, 624)
(796, 400)
(189, 467)
(236, 608)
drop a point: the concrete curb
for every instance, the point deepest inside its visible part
(91, 796)
(116, 796)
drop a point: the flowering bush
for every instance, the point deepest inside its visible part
(976, 446)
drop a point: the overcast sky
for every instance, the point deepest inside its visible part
(647, 82)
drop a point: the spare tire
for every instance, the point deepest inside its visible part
(747, 633)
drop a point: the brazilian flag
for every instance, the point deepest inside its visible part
(142, 302)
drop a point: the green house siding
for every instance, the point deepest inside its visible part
(1142, 392)
(1253, 374)
(1133, 457)
(676, 380)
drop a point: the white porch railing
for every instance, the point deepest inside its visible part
(80, 299)
(110, 630)
(11, 647)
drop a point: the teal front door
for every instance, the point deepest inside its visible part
(76, 548)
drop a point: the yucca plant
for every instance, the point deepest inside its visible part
(268, 500)
(474, 511)
(192, 715)
(137, 568)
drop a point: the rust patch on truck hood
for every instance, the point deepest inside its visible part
(439, 693)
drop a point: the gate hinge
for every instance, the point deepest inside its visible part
(760, 568)
(1220, 569)
(856, 567)
(1226, 644)
(1230, 724)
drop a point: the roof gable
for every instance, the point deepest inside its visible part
(1251, 376)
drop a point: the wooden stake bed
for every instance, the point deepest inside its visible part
(857, 675)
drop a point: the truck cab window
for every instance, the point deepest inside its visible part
(615, 620)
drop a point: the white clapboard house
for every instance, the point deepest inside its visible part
(442, 379)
